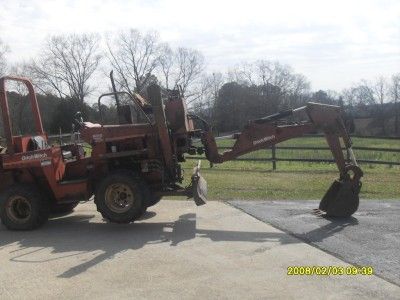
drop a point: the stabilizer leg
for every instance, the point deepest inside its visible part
(198, 187)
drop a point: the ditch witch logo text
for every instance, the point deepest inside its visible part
(34, 156)
(264, 139)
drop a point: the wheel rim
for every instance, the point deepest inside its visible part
(18, 209)
(119, 197)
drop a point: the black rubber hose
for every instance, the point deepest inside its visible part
(274, 117)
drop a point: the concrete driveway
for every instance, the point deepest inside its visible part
(177, 251)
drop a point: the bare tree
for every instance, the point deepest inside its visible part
(66, 65)
(214, 84)
(190, 66)
(210, 86)
(395, 96)
(166, 64)
(276, 78)
(134, 56)
(266, 72)
(349, 96)
(369, 93)
(243, 73)
(361, 93)
(380, 92)
(374, 92)
(216, 80)
(281, 76)
(3, 63)
(182, 68)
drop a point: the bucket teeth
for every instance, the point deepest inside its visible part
(318, 212)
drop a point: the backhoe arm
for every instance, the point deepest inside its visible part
(265, 132)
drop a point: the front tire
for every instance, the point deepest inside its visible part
(120, 197)
(23, 208)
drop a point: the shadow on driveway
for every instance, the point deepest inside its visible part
(75, 233)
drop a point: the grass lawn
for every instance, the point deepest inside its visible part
(294, 180)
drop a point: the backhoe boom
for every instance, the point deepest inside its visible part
(342, 198)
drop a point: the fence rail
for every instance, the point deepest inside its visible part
(274, 158)
(319, 160)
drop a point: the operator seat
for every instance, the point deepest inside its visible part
(37, 143)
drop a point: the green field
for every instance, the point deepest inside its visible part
(298, 180)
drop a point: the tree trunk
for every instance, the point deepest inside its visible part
(396, 118)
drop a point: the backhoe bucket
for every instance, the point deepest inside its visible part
(341, 199)
(199, 186)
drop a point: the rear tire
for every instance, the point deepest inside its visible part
(121, 197)
(23, 208)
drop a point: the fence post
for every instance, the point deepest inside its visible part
(273, 149)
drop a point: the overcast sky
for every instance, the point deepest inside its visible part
(333, 43)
